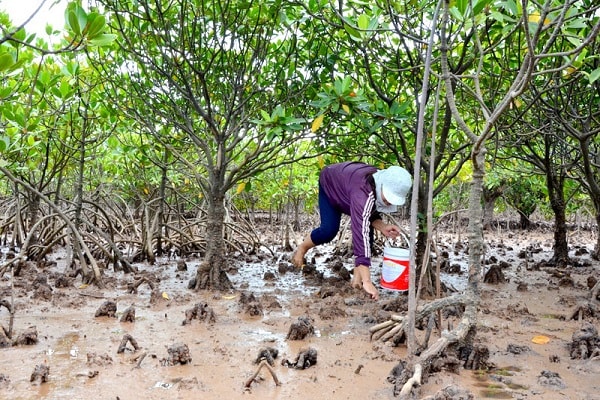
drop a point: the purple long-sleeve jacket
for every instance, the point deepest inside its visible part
(346, 186)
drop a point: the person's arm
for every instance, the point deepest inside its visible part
(360, 223)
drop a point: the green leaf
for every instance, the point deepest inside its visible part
(479, 6)
(354, 33)
(461, 5)
(455, 12)
(594, 75)
(19, 119)
(30, 140)
(510, 6)
(574, 40)
(579, 23)
(265, 115)
(95, 26)
(20, 34)
(103, 39)
(65, 88)
(6, 61)
(81, 16)
(5, 92)
(4, 143)
(363, 22)
(73, 22)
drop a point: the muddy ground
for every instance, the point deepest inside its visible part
(190, 345)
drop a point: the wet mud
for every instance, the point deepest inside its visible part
(284, 333)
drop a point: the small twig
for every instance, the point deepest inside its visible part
(11, 320)
(263, 363)
(140, 358)
(430, 326)
(95, 296)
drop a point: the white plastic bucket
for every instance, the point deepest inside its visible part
(394, 268)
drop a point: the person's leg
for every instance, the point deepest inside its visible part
(325, 233)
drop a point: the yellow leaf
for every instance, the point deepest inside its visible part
(540, 339)
(240, 188)
(534, 17)
(516, 103)
(346, 108)
(229, 297)
(186, 181)
(321, 162)
(317, 123)
(165, 295)
(83, 286)
(569, 71)
(146, 191)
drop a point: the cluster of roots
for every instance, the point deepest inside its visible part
(585, 343)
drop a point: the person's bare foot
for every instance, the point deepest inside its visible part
(356, 282)
(298, 257)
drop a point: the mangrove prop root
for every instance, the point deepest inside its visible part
(128, 315)
(387, 329)
(41, 372)
(127, 338)
(262, 364)
(139, 359)
(415, 380)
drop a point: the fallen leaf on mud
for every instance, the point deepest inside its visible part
(163, 385)
(540, 339)
(229, 297)
(83, 286)
(165, 295)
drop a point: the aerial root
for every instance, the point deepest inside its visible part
(265, 364)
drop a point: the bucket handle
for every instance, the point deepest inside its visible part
(402, 235)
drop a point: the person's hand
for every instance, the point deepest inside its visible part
(362, 280)
(390, 231)
(298, 259)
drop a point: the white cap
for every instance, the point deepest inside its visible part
(394, 183)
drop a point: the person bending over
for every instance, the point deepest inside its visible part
(363, 192)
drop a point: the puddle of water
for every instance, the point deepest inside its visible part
(493, 388)
(495, 393)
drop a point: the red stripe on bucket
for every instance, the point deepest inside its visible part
(394, 269)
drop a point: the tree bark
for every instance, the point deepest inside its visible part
(161, 205)
(557, 202)
(210, 273)
(489, 202)
(596, 254)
